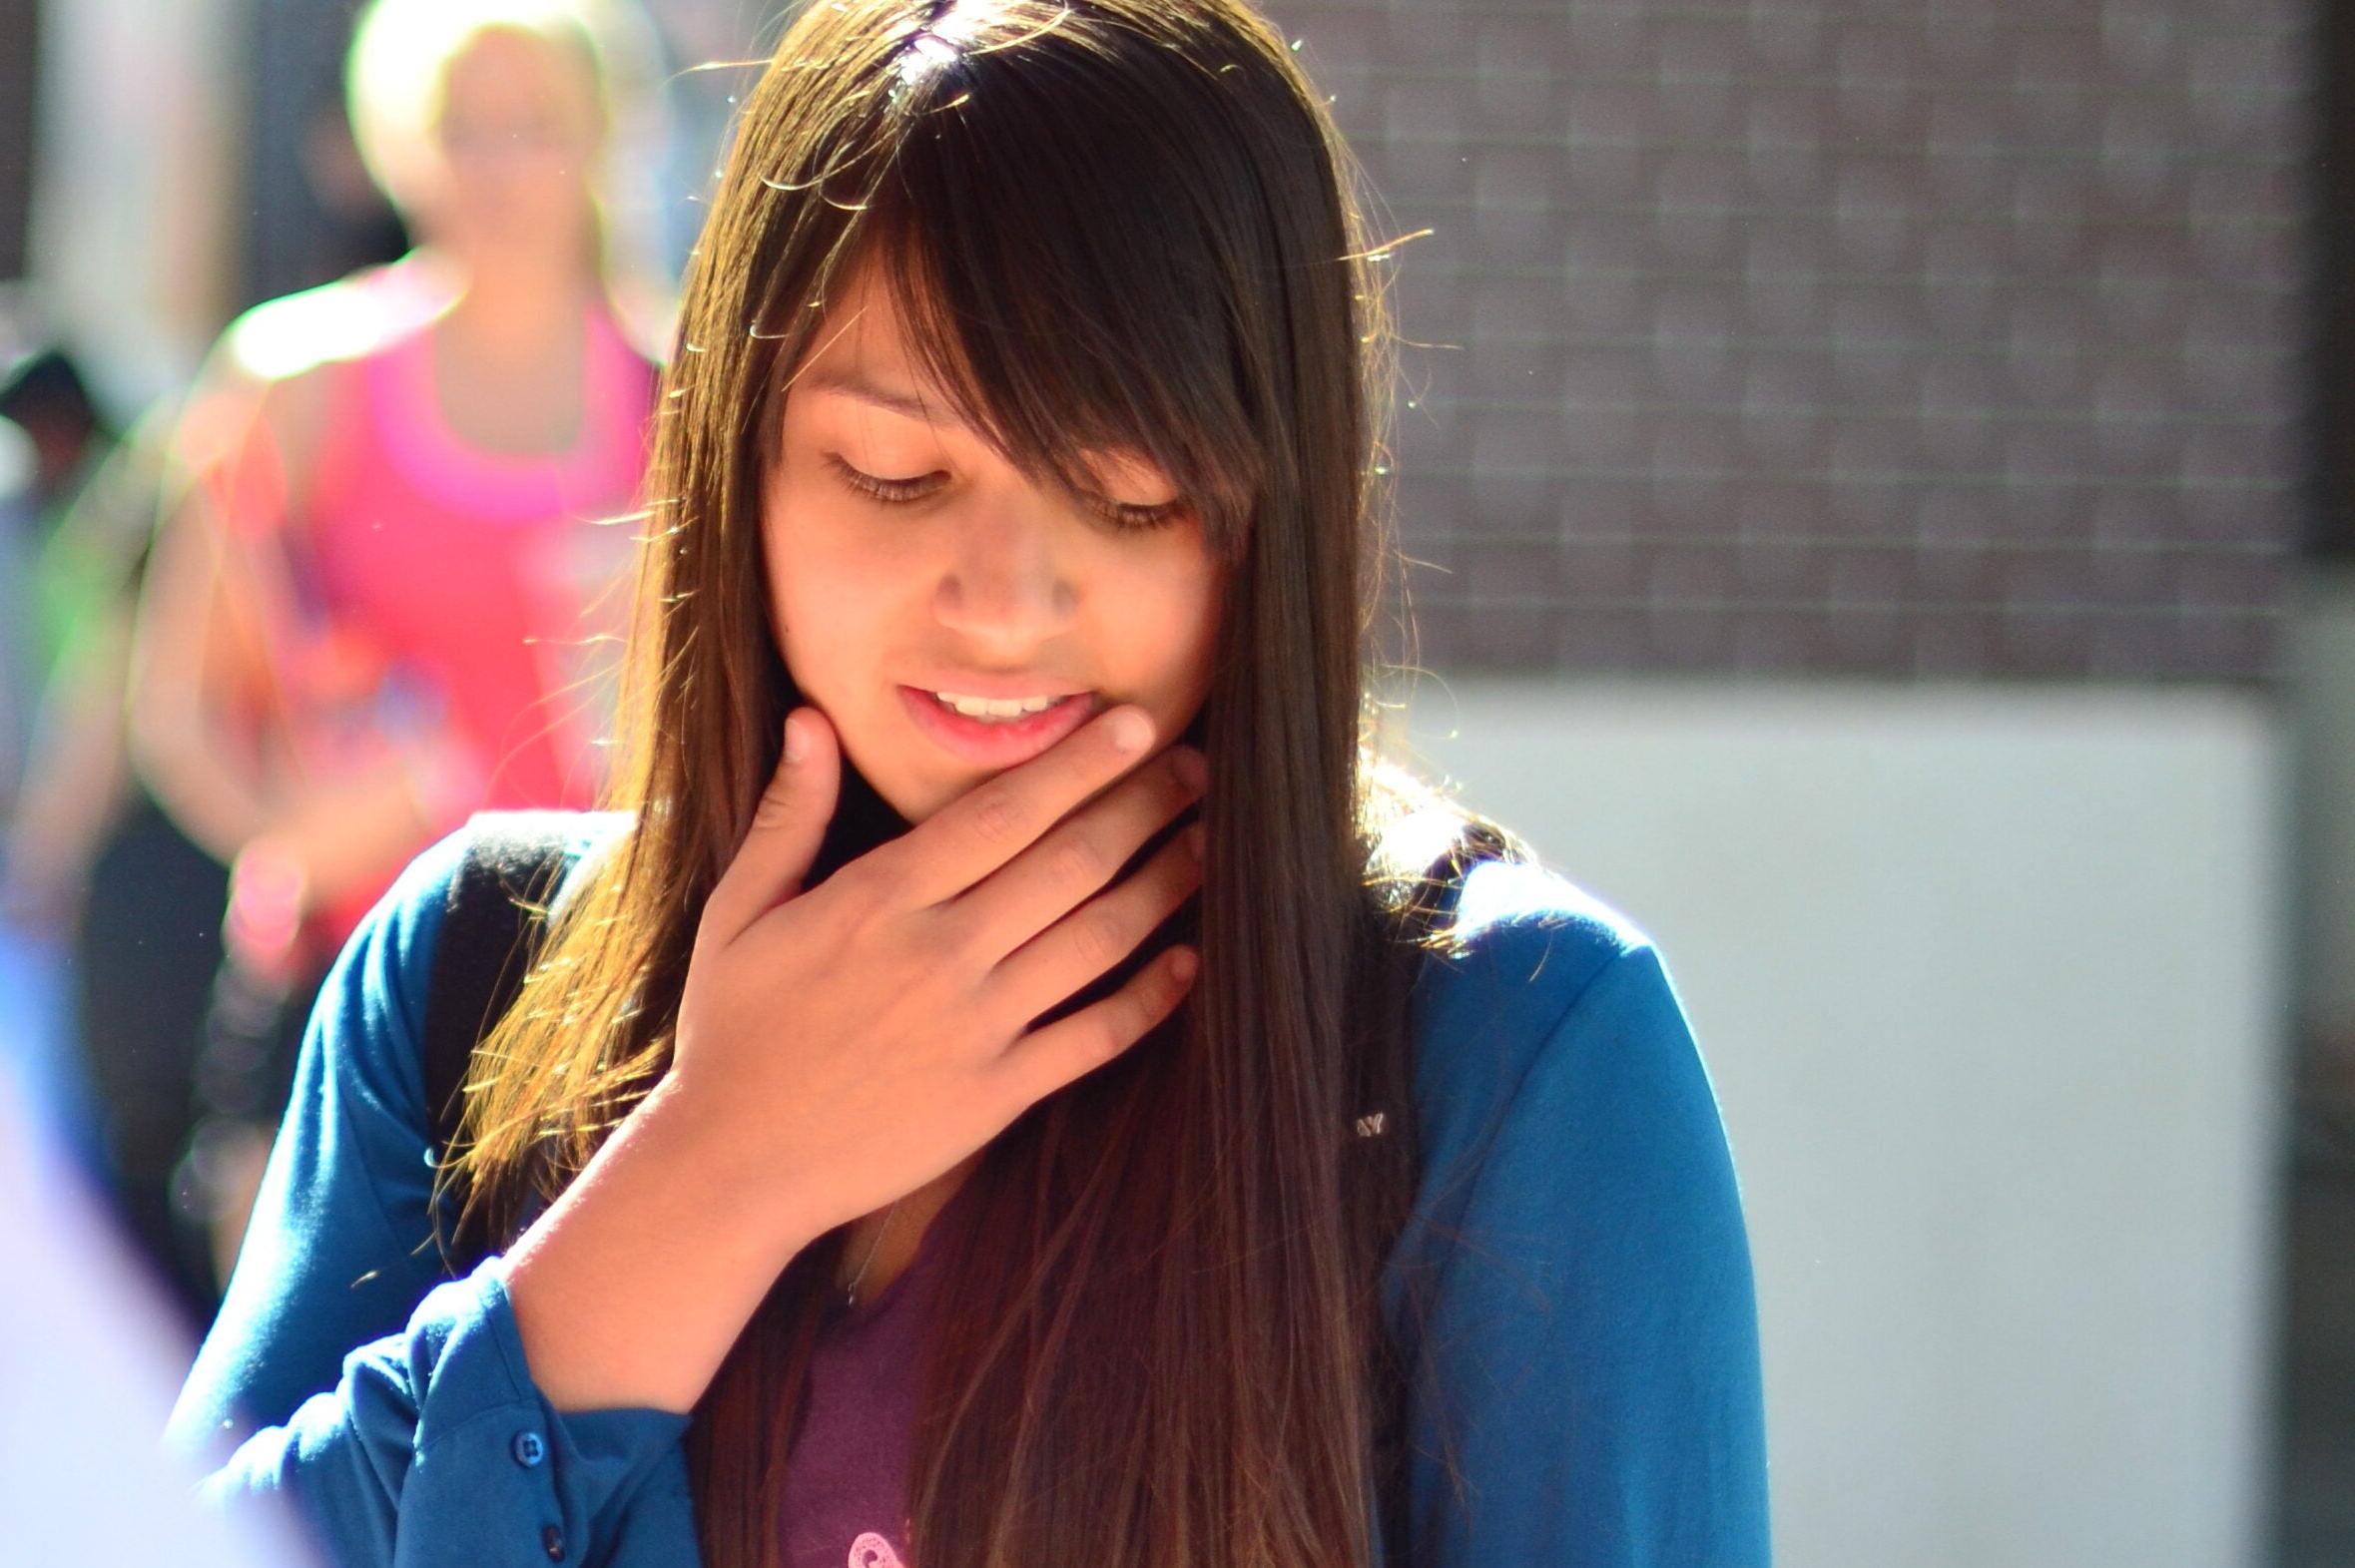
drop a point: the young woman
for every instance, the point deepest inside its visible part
(1015, 1081)
(379, 610)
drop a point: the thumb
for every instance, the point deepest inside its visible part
(787, 825)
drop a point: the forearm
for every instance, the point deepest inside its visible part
(346, 831)
(202, 768)
(633, 1286)
(187, 765)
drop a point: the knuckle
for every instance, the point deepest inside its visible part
(1176, 983)
(1078, 863)
(1147, 1010)
(965, 943)
(1110, 1036)
(858, 893)
(1157, 989)
(1157, 890)
(1147, 784)
(774, 810)
(997, 814)
(1098, 939)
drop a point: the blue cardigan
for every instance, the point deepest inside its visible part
(1589, 1343)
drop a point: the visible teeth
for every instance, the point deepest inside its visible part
(995, 708)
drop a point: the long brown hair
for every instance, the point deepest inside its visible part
(1115, 223)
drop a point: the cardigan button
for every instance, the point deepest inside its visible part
(552, 1542)
(529, 1449)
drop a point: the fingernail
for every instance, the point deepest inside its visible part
(1183, 961)
(1192, 771)
(1131, 730)
(796, 747)
(1196, 836)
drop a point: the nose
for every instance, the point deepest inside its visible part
(1006, 584)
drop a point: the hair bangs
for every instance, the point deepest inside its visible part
(1054, 294)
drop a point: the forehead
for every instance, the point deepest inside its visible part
(860, 332)
(503, 66)
(861, 349)
(865, 355)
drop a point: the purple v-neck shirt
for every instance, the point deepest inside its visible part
(847, 1480)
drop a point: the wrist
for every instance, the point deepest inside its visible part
(725, 1164)
(633, 1284)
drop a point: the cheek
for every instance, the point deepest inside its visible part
(1175, 641)
(829, 596)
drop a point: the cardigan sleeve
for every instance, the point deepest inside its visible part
(1589, 1391)
(395, 1408)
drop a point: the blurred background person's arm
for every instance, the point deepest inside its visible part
(212, 717)
(77, 778)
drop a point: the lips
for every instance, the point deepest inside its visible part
(997, 686)
(1000, 742)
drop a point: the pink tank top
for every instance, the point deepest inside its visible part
(473, 586)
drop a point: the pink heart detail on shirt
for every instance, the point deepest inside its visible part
(873, 1551)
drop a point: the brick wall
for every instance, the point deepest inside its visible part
(1852, 337)
(19, 54)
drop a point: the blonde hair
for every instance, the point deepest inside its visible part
(401, 50)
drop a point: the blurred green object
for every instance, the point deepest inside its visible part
(80, 559)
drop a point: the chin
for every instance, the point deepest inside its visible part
(917, 802)
(908, 790)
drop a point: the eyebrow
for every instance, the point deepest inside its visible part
(851, 383)
(842, 379)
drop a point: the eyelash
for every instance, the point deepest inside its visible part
(901, 492)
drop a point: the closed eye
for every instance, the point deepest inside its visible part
(901, 492)
(890, 491)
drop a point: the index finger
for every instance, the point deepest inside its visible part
(999, 818)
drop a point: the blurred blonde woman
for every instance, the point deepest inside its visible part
(376, 608)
